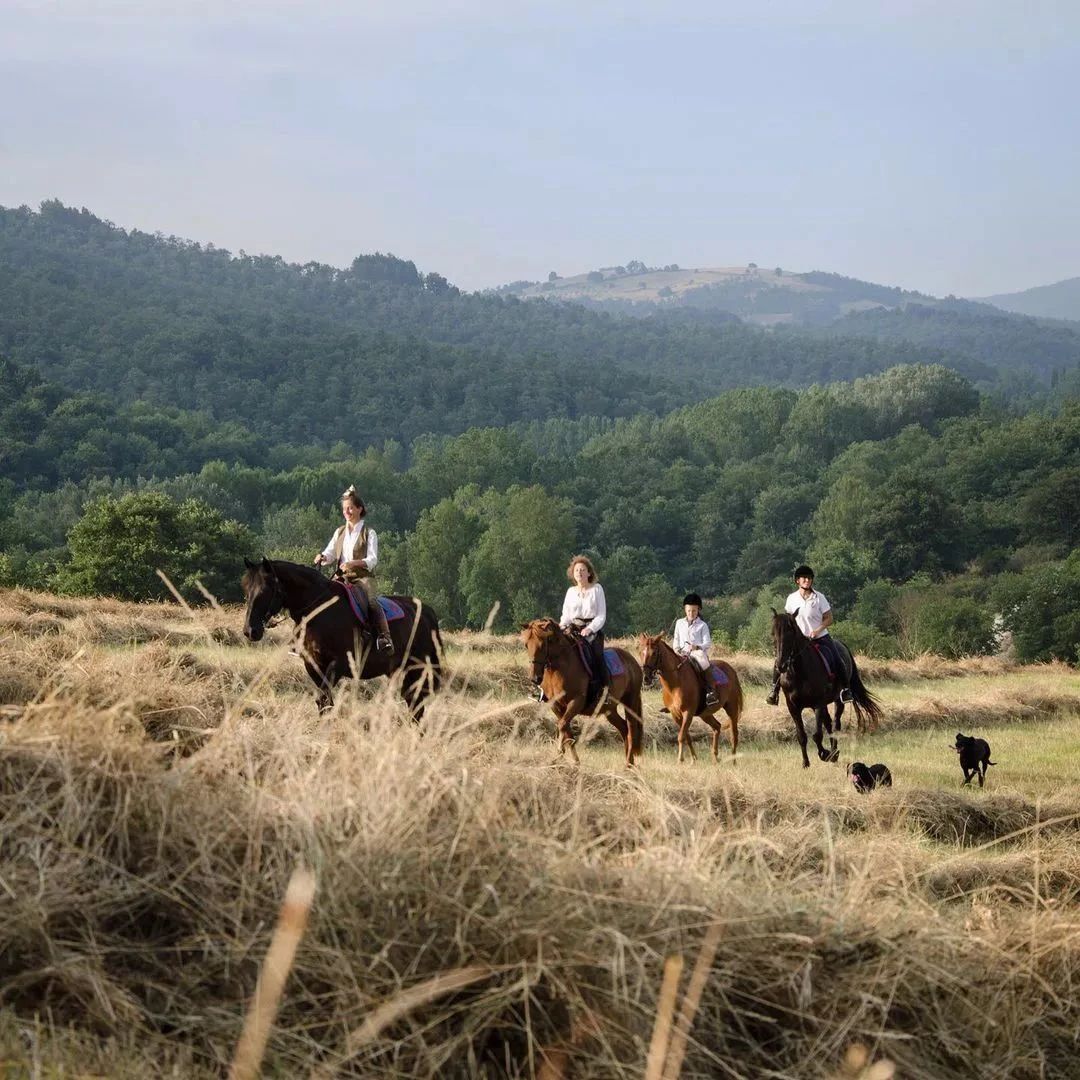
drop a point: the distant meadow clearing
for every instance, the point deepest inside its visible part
(484, 908)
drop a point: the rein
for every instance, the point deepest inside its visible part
(650, 671)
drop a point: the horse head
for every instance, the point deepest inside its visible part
(264, 595)
(785, 635)
(650, 657)
(543, 639)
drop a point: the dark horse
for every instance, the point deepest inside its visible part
(807, 685)
(333, 645)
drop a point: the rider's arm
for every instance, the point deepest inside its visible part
(826, 622)
(568, 608)
(371, 556)
(327, 553)
(601, 611)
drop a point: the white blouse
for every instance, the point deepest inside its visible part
(348, 546)
(589, 604)
(692, 635)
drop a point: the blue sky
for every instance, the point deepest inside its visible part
(930, 145)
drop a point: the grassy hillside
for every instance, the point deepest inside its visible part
(484, 910)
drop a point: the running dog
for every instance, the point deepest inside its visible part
(974, 757)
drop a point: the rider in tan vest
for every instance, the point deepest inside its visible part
(354, 550)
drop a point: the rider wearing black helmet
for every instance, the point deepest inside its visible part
(693, 639)
(813, 614)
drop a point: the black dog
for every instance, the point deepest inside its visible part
(864, 779)
(882, 776)
(974, 757)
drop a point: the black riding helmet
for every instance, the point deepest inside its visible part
(803, 571)
(692, 598)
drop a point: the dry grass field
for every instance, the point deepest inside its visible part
(483, 908)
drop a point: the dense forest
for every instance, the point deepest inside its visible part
(164, 404)
(309, 355)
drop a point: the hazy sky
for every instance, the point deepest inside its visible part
(930, 145)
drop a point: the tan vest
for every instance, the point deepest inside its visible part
(359, 551)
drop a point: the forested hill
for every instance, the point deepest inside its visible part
(311, 354)
(1058, 301)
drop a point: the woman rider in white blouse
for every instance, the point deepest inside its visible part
(585, 611)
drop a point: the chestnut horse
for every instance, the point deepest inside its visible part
(558, 669)
(333, 645)
(684, 694)
(806, 685)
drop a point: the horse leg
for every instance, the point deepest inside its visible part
(683, 720)
(710, 719)
(821, 717)
(611, 714)
(733, 722)
(800, 732)
(324, 680)
(415, 689)
(566, 740)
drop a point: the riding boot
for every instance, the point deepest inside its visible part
(712, 691)
(384, 643)
(774, 694)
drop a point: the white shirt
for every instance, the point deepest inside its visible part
(692, 635)
(589, 604)
(348, 545)
(808, 613)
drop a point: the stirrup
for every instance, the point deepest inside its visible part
(712, 698)
(846, 695)
(384, 643)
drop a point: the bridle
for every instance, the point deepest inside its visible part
(788, 654)
(649, 670)
(275, 607)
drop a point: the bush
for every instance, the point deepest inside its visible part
(865, 640)
(951, 626)
(653, 605)
(118, 546)
(1041, 608)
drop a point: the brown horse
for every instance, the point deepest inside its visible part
(332, 643)
(684, 694)
(806, 685)
(559, 670)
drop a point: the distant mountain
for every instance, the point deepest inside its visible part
(1058, 301)
(763, 296)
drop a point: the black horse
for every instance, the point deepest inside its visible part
(807, 685)
(333, 644)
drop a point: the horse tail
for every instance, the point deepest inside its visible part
(867, 707)
(631, 701)
(734, 707)
(634, 716)
(435, 650)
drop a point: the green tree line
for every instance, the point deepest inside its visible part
(935, 518)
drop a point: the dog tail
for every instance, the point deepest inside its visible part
(989, 762)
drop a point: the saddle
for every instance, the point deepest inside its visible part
(719, 675)
(835, 656)
(360, 607)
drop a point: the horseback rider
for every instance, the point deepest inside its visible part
(354, 550)
(584, 612)
(693, 639)
(813, 615)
